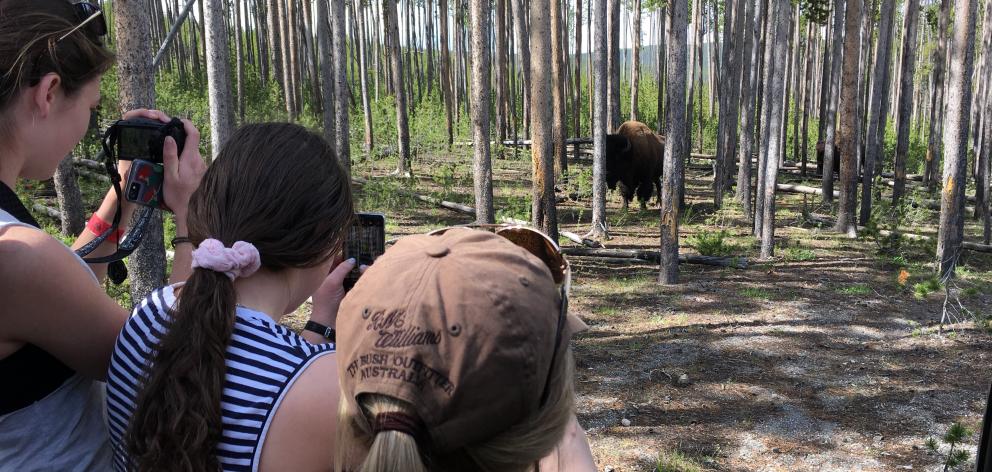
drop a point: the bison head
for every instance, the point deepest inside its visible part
(617, 158)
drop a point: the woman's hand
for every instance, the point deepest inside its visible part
(327, 298)
(182, 173)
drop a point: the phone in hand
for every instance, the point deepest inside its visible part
(144, 184)
(366, 241)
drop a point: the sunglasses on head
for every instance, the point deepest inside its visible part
(91, 18)
(545, 249)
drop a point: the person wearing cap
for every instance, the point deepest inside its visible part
(453, 354)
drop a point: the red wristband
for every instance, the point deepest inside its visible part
(98, 226)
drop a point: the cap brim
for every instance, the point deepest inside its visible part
(574, 325)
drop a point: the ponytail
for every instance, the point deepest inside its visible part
(390, 450)
(177, 420)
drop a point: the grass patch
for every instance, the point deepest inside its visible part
(925, 288)
(856, 289)
(795, 254)
(713, 244)
(755, 293)
(674, 461)
(610, 311)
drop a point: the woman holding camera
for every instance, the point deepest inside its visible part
(57, 325)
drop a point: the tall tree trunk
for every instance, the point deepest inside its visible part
(905, 115)
(275, 40)
(829, 159)
(877, 113)
(577, 75)
(662, 67)
(764, 111)
(482, 163)
(342, 131)
(544, 213)
(635, 63)
(501, 70)
(396, 59)
(613, 58)
(782, 19)
(985, 155)
(730, 97)
(523, 51)
(598, 48)
(676, 144)
(70, 198)
(937, 106)
(239, 62)
(752, 33)
(558, 90)
(952, 198)
(445, 73)
(325, 44)
(218, 76)
(136, 89)
(358, 22)
(849, 136)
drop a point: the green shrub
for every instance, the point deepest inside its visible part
(713, 244)
(931, 285)
(797, 254)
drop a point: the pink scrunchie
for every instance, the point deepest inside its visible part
(241, 260)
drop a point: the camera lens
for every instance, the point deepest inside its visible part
(133, 190)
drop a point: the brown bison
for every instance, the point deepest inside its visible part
(634, 160)
(820, 149)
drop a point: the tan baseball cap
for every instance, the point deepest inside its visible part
(461, 325)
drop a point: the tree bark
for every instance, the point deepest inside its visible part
(985, 156)
(482, 164)
(359, 24)
(136, 89)
(905, 115)
(782, 20)
(877, 113)
(558, 71)
(342, 131)
(70, 198)
(523, 48)
(500, 45)
(829, 159)
(752, 34)
(952, 198)
(598, 50)
(325, 44)
(850, 121)
(613, 65)
(937, 105)
(577, 75)
(676, 144)
(730, 98)
(445, 73)
(544, 213)
(635, 63)
(396, 59)
(662, 68)
(218, 76)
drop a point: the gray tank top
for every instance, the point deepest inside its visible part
(66, 430)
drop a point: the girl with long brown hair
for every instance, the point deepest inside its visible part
(203, 377)
(57, 325)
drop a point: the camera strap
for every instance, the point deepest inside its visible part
(130, 242)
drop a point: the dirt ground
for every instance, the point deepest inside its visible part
(821, 360)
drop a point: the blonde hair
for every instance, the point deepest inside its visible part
(519, 448)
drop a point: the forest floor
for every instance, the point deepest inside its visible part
(822, 359)
(827, 358)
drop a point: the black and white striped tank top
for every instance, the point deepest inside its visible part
(263, 360)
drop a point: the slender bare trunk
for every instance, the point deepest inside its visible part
(396, 59)
(782, 19)
(635, 63)
(905, 115)
(599, 46)
(545, 215)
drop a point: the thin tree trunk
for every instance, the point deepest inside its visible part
(544, 213)
(396, 59)
(952, 198)
(905, 115)
(136, 89)
(752, 33)
(937, 105)
(501, 70)
(662, 68)
(523, 52)
(613, 57)
(829, 159)
(342, 132)
(730, 97)
(558, 91)
(239, 62)
(635, 63)
(577, 75)
(275, 40)
(985, 156)
(877, 113)
(676, 144)
(218, 76)
(70, 198)
(599, 46)
(325, 44)
(765, 98)
(850, 121)
(482, 163)
(782, 19)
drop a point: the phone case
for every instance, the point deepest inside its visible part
(366, 241)
(144, 184)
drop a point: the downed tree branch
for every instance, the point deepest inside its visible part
(916, 237)
(628, 255)
(467, 210)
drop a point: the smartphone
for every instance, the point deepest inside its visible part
(366, 241)
(144, 184)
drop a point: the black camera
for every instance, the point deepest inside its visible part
(143, 139)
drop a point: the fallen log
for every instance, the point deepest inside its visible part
(655, 256)
(580, 240)
(916, 237)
